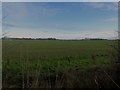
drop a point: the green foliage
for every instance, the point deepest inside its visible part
(43, 58)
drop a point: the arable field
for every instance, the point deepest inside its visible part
(56, 63)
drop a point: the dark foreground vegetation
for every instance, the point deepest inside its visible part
(61, 64)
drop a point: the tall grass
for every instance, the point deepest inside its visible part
(27, 70)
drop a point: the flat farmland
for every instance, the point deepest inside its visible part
(54, 63)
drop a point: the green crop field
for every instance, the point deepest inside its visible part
(55, 63)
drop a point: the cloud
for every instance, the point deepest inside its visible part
(45, 9)
(20, 11)
(41, 33)
(112, 19)
(5, 24)
(105, 6)
(14, 11)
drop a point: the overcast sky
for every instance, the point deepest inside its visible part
(61, 20)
